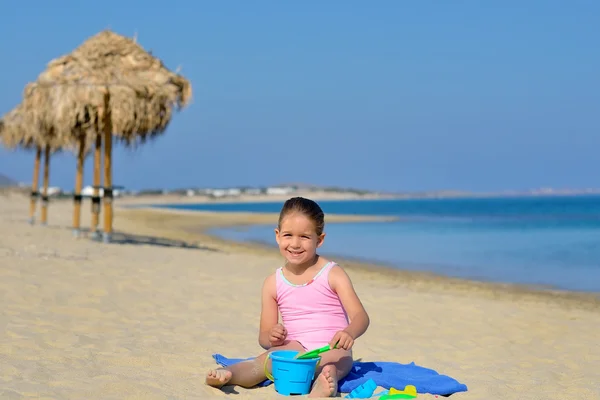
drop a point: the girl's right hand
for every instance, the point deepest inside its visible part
(277, 335)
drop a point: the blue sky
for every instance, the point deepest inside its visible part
(386, 95)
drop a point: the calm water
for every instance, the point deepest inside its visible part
(553, 241)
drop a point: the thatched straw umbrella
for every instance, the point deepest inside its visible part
(19, 130)
(107, 86)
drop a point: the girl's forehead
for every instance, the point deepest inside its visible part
(297, 221)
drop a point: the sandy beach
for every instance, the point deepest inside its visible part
(141, 317)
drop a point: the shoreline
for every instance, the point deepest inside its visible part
(414, 279)
(171, 199)
(195, 226)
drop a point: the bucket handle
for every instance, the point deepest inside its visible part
(269, 376)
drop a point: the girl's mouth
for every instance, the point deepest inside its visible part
(295, 253)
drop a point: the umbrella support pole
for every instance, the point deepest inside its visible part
(96, 233)
(34, 185)
(77, 198)
(108, 189)
(44, 216)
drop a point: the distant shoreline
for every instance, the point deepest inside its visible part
(239, 218)
(196, 226)
(162, 201)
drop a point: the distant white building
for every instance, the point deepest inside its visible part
(231, 192)
(253, 191)
(280, 190)
(234, 192)
(54, 191)
(88, 191)
(217, 192)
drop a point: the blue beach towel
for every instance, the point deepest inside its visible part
(385, 374)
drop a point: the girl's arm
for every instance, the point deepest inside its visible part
(269, 314)
(340, 282)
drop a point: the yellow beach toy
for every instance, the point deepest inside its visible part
(409, 392)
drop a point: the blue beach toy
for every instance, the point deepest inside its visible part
(291, 376)
(364, 391)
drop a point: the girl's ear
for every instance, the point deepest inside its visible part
(277, 235)
(321, 239)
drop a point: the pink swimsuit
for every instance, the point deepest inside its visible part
(312, 313)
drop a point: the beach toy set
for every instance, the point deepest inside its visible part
(293, 374)
(384, 374)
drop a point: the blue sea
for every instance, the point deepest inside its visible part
(540, 241)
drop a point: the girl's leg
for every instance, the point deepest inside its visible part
(246, 373)
(335, 365)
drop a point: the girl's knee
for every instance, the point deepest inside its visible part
(339, 359)
(336, 356)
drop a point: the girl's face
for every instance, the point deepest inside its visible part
(297, 239)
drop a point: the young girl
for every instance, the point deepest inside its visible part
(316, 300)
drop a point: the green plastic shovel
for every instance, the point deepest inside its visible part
(314, 353)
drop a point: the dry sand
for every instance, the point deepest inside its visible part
(141, 318)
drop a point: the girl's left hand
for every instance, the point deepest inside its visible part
(343, 340)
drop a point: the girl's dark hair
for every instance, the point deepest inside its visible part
(304, 206)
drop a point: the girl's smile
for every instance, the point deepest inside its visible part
(295, 253)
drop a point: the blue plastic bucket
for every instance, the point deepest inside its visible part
(291, 376)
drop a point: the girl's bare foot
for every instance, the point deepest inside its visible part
(326, 383)
(218, 377)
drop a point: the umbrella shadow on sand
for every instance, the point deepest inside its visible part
(134, 239)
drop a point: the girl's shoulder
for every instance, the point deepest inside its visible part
(271, 276)
(270, 283)
(338, 276)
